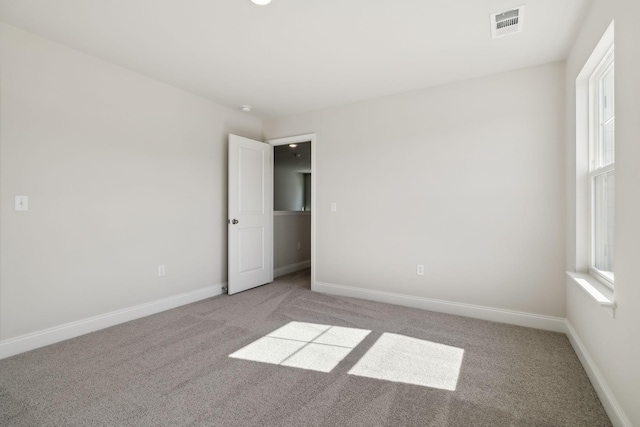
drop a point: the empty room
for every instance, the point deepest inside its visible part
(319, 213)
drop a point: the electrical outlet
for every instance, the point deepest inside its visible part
(420, 270)
(161, 270)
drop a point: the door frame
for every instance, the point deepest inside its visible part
(299, 139)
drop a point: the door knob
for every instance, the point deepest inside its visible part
(235, 221)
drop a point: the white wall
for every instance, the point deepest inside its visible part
(122, 172)
(613, 344)
(289, 229)
(466, 178)
(288, 190)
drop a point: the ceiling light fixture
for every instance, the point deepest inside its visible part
(246, 108)
(261, 2)
(293, 145)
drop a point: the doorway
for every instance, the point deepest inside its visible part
(293, 215)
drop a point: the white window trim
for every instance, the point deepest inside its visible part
(581, 275)
(602, 294)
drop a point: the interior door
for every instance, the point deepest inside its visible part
(250, 224)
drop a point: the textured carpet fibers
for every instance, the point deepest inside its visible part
(174, 369)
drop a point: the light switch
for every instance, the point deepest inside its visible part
(334, 207)
(22, 203)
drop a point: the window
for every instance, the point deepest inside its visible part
(595, 175)
(602, 168)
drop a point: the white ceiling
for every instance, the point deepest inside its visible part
(294, 56)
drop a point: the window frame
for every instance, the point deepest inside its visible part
(596, 107)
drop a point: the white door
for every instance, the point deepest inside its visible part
(250, 224)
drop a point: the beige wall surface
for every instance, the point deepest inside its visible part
(288, 190)
(123, 173)
(612, 343)
(467, 179)
(289, 228)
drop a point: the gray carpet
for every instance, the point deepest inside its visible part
(173, 369)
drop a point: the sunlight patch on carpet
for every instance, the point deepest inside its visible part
(409, 360)
(304, 345)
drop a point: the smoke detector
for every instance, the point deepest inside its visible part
(507, 22)
(245, 108)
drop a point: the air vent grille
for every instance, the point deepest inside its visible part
(507, 22)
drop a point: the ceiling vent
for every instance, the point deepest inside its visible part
(507, 22)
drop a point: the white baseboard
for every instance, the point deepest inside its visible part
(530, 320)
(17, 345)
(281, 271)
(609, 401)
